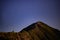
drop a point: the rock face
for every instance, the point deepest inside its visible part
(35, 31)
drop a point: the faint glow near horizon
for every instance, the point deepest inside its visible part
(17, 15)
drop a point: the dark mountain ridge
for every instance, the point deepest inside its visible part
(35, 31)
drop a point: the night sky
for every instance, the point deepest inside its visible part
(18, 14)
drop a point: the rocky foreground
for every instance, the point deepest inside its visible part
(35, 31)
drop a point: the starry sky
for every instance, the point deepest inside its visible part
(18, 14)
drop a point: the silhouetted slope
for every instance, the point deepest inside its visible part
(35, 31)
(41, 31)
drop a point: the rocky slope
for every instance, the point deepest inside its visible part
(35, 31)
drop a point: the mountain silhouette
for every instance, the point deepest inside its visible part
(35, 31)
